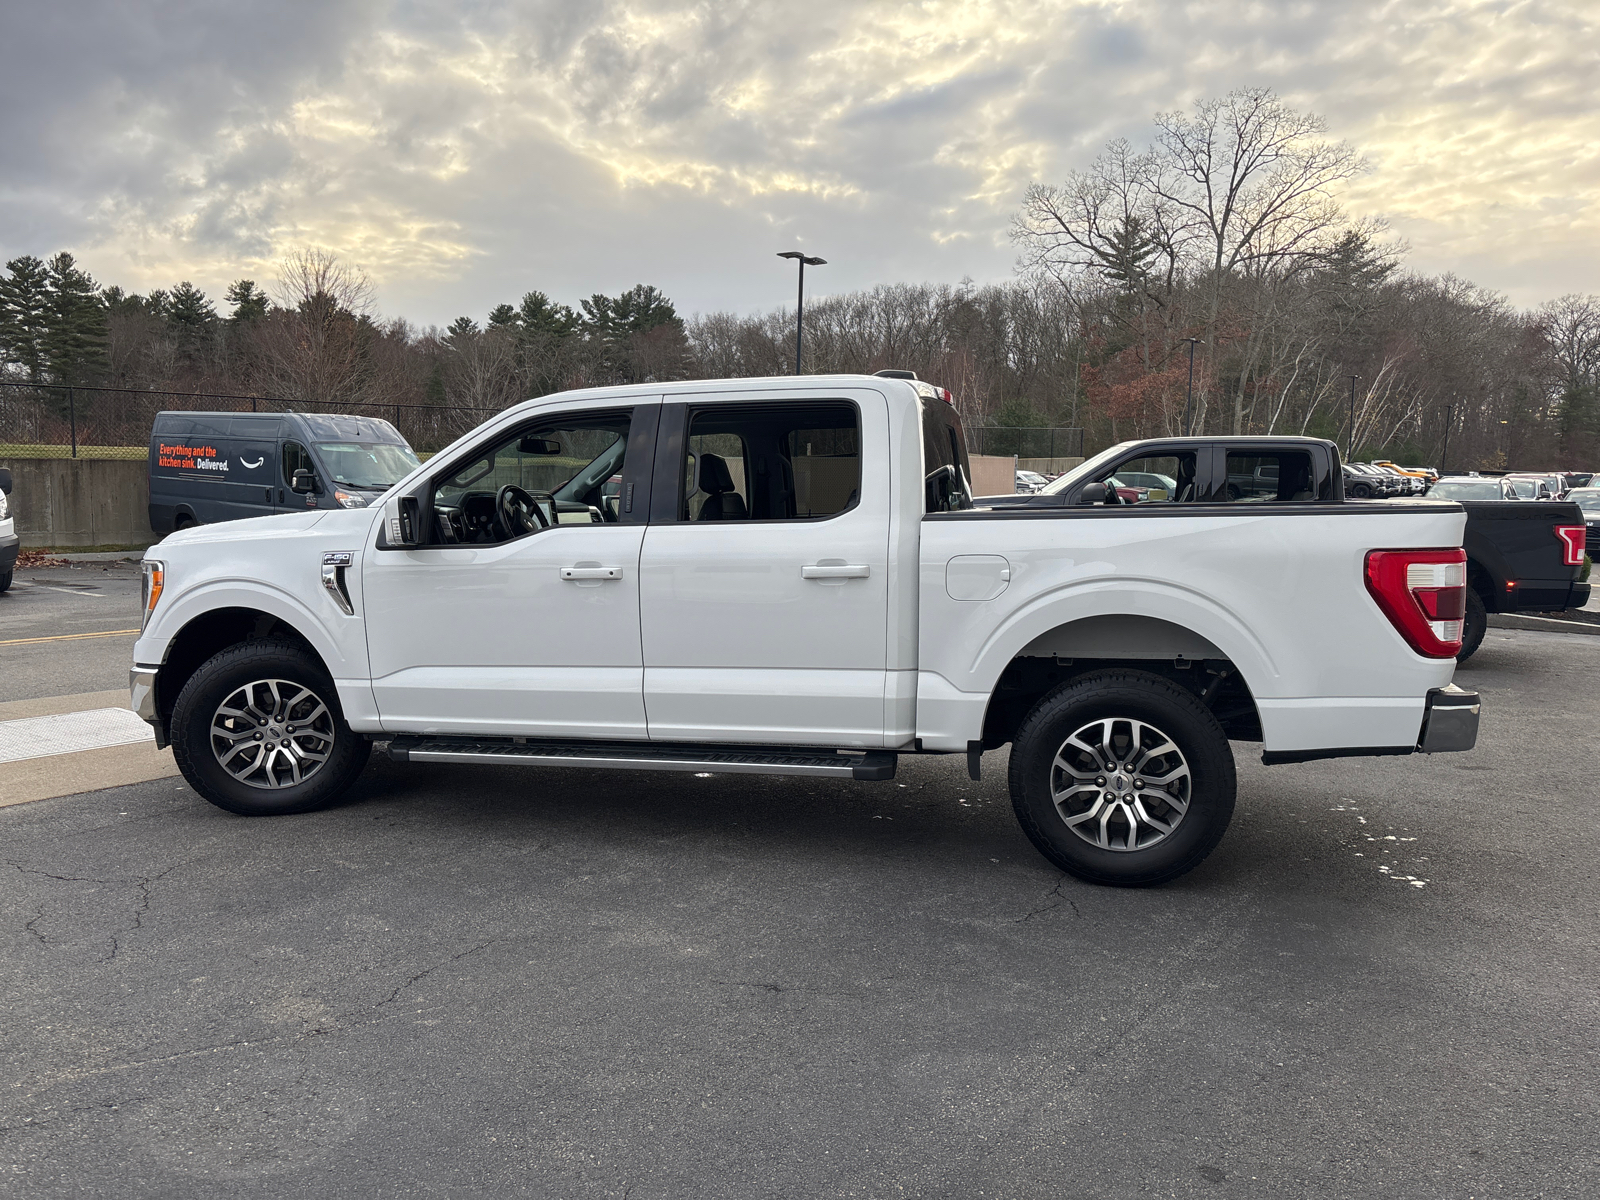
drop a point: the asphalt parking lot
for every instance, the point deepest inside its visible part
(476, 981)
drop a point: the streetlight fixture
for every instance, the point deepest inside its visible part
(1188, 403)
(800, 302)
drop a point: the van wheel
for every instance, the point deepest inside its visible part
(1122, 777)
(182, 523)
(258, 731)
(1474, 624)
(5, 579)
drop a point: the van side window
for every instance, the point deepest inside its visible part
(1284, 475)
(772, 462)
(296, 458)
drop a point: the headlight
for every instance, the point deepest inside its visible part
(350, 499)
(155, 577)
(5, 507)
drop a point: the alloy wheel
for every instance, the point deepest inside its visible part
(1120, 784)
(272, 733)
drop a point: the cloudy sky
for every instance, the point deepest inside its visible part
(466, 152)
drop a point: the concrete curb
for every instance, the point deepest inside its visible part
(99, 556)
(1542, 624)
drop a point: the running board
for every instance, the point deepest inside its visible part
(730, 760)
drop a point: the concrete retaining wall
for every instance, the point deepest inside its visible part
(62, 502)
(993, 474)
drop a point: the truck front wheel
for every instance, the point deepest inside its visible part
(258, 731)
(1122, 777)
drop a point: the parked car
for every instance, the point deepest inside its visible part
(1363, 482)
(1522, 555)
(1588, 501)
(1030, 481)
(219, 466)
(1423, 475)
(1475, 487)
(10, 543)
(798, 581)
(1531, 487)
(1578, 479)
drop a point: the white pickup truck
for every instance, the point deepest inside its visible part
(790, 576)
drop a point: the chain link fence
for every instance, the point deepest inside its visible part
(1026, 441)
(55, 421)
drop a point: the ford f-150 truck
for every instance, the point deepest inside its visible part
(789, 576)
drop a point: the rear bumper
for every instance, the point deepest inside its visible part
(1449, 724)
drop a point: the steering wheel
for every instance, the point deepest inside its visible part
(516, 512)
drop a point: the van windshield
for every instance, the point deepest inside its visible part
(372, 466)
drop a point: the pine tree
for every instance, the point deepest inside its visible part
(249, 302)
(192, 318)
(461, 327)
(75, 344)
(503, 316)
(25, 315)
(542, 316)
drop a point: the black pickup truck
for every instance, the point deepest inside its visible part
(1522, 555)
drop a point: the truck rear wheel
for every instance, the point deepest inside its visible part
(1122, 777)
(1474, 625)
(258, 731)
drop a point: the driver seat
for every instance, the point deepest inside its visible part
(722, 502)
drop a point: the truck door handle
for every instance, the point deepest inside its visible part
(835, 571)
(591, 572)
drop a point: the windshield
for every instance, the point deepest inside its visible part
(1588, 499)
(1528, 489)
(371, 466)
(1477, 489)
(1084, 469)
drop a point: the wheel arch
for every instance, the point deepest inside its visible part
(214, 630)
(1166, 648)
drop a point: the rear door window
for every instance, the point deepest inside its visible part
(771, 462)
(1281, 476)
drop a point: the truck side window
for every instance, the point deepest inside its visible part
(1283, 475)
(772, 462)
(947, 472)
(1158, 479)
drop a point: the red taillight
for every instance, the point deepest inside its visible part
(1424, 595)
(1573, 538)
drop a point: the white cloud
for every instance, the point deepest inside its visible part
(464, 155)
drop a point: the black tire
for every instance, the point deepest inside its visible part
(5, 579)
(1474, 624)
(221, 678)
(1128, 696)
(182, 523)
(1359, 491)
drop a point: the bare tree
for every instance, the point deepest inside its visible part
(313, 345)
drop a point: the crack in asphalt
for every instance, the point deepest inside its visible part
(1059, 901)
(421, 975)
(142, 882)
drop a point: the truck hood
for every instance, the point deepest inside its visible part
(351, 522)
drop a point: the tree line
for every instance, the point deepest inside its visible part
(1210, 282)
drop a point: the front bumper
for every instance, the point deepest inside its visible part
(1450, 722)
(10, 547)
(142, 699)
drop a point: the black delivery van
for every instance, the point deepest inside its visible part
(219, 466)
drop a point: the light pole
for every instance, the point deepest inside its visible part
(800, 302)
(1188, 403)
(1350, 449)
(1444, 454)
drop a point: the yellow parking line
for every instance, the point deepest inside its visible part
(70, 637)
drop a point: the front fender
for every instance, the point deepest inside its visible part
(344, 652)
